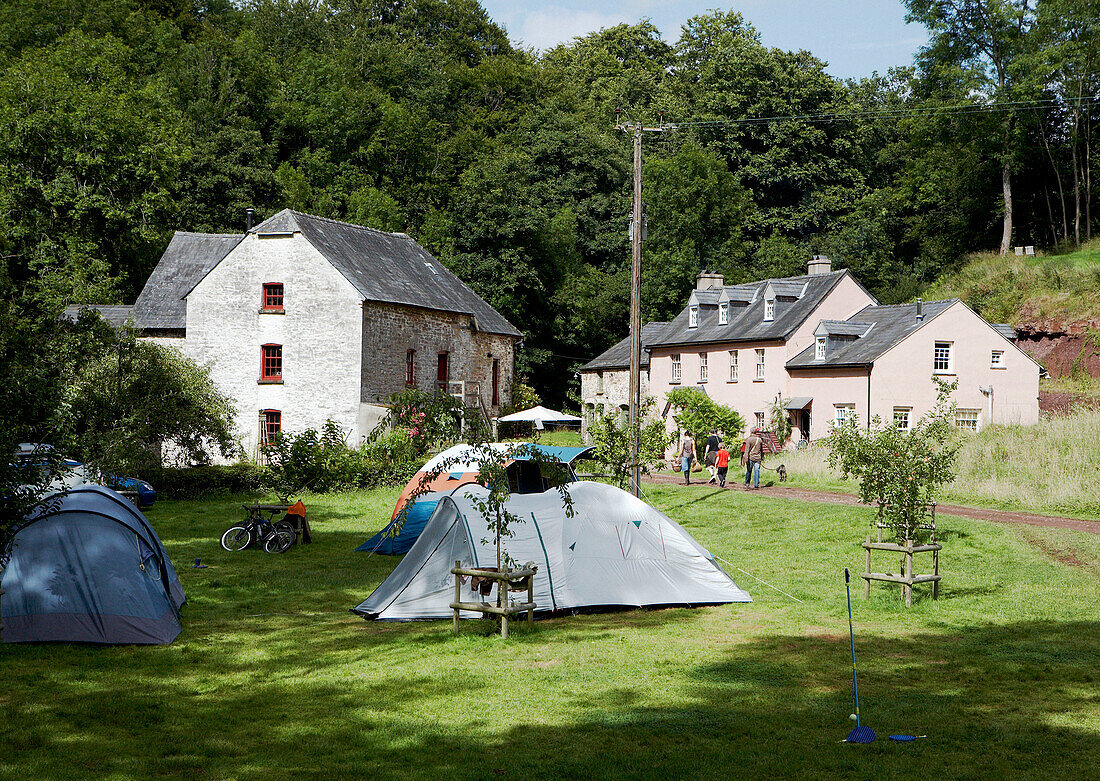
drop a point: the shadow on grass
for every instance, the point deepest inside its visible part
(995, 702)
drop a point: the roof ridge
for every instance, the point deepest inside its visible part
(209, 235)
(396, 235)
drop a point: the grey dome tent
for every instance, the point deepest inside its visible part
(615, 551)
(89, 568)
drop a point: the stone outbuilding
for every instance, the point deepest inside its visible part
(605, 380)
(303, 319)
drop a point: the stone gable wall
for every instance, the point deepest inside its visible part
(390, 330)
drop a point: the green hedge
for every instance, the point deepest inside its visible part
(205, 482)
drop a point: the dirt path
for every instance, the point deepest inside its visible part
(834, 497)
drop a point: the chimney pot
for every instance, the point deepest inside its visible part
(920, 310)
(248, 218)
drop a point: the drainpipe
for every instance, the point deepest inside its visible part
(869, 368)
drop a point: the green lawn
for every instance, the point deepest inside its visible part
(272, 678)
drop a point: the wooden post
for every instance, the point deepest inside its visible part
(458, 594)
(502, 600)
(867, 569)
(935, 571)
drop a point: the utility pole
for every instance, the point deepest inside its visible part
(637, 224)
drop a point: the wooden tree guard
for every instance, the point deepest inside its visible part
(511, 580)
(908, 578)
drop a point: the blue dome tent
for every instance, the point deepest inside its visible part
(89, 568)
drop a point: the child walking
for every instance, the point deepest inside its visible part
(722, 462)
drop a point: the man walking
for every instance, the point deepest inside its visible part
(751, 456)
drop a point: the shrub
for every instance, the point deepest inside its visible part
(428, 418)
(207, 482)
(611, 437)
(699, 414)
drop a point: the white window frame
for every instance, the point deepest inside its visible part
(759, 365)
(677, 368)
(943, 358)
(819, 349)
(693, 317)
(903, 418)
(968, 419)
(733, 365)
(769, 309)
(759, 420)
(997, 359)
(842, 412)
(723, 314)
(704, 372)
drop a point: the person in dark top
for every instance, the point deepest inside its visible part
(751, 456)
(710, 453)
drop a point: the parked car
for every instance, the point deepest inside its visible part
(77, 474)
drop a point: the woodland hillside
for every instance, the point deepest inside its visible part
(123, 120)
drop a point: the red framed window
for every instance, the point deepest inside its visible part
(271, 362)
(410, 366)
(270, 425)
(273, 297)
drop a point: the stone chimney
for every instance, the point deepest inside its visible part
(820, 264)
(709, 280)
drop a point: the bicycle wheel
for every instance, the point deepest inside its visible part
(236, 538)
(279, 542)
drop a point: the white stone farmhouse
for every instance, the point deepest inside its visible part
(824, 348)
(304, 319)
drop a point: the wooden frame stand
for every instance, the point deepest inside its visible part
(510, 580)
(907, 578)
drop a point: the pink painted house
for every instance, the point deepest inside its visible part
(822, 347)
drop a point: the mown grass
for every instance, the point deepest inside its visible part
(272, 678)
(1050, 468)
(1063, 287)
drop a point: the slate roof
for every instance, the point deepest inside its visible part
(114, 314)
(892, 324)
(746, 323)
(188, 258)
(1005, 330)
(618, 357)
(843, 327)
(389, 267)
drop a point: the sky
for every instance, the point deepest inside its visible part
(855, 37)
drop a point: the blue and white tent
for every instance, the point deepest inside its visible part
(614, 551)
(89, 568)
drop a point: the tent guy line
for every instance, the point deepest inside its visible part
(766, 583)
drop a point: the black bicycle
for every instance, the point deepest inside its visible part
(274, 536)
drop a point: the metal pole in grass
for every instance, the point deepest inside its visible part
(860, 734)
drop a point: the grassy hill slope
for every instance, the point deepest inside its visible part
(1045, 293)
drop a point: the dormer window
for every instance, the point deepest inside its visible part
(272, 297)
(819, 354)
(769, 309)
(693, 317)
(723, 314)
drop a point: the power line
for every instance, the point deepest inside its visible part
(897, 113)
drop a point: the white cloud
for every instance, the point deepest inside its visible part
(551, 25)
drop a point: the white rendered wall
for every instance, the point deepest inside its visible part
(320, 332)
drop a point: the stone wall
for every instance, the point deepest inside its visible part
(615, 394)
(391, 330)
